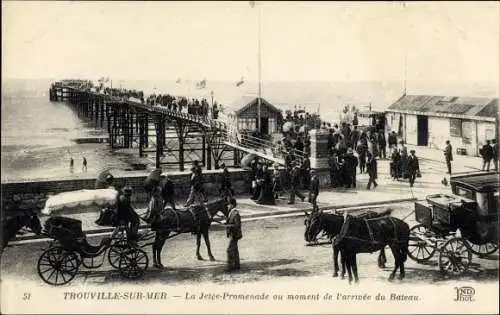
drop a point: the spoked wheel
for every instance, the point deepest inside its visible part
(418, 249)
(133, 263)
(455, 256)
(57, 266)
(484, 249)
(115, 252)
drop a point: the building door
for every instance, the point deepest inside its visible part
(264, 125)
(422, 130)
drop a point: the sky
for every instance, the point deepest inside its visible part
(318, 41)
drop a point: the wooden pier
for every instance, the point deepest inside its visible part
(172, 137)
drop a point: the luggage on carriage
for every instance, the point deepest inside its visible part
(70, 249)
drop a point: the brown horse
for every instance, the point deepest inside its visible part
(331, 224)
(196, 219)
(362, 235)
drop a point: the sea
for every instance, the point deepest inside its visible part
(37, 135)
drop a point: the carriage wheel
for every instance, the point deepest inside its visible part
(115, 253)
(455, 256)
(484, 249)
(418, 249)
(133, 263)
(57, 266)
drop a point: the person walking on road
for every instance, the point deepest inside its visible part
(234, 233)
(487, 154)
(314, 192)
(413, 167)
(295, 184)
(71, 164)
(371, 168)
(382, 144)
(84, 166)
(448, 155)
(494, 147)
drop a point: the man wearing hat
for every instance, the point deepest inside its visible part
(295, 183)
(413, 167)
(126, 214)
(314, 191)
(234, 233)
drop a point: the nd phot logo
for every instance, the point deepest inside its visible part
(465, 294)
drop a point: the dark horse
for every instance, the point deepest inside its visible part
(197, 220)
(16, 221)
(331, 224)
(362, 235)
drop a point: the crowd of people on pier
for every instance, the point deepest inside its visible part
(183, 104)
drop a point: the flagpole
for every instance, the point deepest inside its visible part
(405, 49)
(260, 70)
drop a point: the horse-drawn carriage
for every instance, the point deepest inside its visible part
(70, 249)
(458, 225)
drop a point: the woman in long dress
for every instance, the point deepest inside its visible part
(266, 196)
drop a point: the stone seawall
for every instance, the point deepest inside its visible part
(38, 190)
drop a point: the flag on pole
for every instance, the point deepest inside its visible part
(240, 82)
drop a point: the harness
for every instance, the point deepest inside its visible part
(370, 232)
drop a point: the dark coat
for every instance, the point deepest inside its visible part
(234, 220)
(314, 185)
(371, 167)
(295, 176)
(124, 208)
(381, 139)
(350, 163)
(167, 189)
(393, 139)
(448, 152)
(487, 152)
(412, 164)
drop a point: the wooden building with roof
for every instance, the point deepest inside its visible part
(427, 120)
(243, 114)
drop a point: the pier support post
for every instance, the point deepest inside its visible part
(181, 129)
(160, 139)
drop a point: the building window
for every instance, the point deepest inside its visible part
(456, 127)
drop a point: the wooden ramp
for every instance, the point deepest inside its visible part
(257, 153)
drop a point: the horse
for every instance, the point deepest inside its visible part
(331, 224)
(196, 219)
(20, 218)
(367, 235)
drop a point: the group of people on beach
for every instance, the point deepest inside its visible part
(72, 164)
